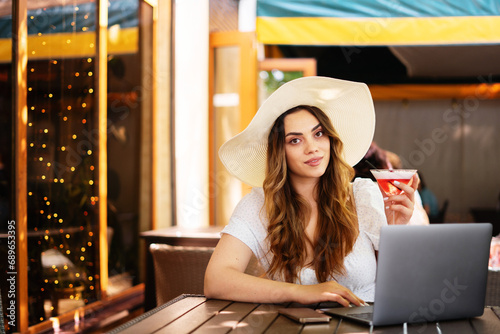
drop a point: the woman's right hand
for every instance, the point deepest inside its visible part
(327, 291)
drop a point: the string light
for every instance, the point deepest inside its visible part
(49, 169)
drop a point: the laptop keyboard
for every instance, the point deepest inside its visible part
(364, 316)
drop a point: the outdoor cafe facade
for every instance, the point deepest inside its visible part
(97, 98)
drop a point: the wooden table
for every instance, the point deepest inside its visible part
(196, 314)
(174, 236)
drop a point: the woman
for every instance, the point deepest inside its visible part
(313, 232)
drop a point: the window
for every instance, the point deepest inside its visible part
(78, 199)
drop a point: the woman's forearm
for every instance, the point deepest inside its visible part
(231, 284)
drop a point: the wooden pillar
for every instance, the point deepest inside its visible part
(20, 119)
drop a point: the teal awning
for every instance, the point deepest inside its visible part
(378, 22)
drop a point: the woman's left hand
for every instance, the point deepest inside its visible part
(399, 208)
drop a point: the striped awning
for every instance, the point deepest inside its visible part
(378, 22)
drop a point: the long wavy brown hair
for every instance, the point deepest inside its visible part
(288, 212)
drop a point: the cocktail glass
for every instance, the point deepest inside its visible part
(386, 178)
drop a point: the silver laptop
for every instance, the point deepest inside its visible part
(427, 274)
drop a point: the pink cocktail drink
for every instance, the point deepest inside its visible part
(386, 178)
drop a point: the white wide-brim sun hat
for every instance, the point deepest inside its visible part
(348, 104)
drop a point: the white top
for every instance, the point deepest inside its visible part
(249, 224)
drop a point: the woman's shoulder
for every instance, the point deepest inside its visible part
(251, 203)
(369, 203)
(256, 195)
(364, 186)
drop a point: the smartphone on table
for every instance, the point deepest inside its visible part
(304, 315)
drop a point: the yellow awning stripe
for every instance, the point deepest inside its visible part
(379, 31)
(69, 45)
(431, 91)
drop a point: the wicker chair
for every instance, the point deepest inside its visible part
(181, 270)
(493, 289)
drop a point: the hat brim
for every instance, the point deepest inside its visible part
(348, 104)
